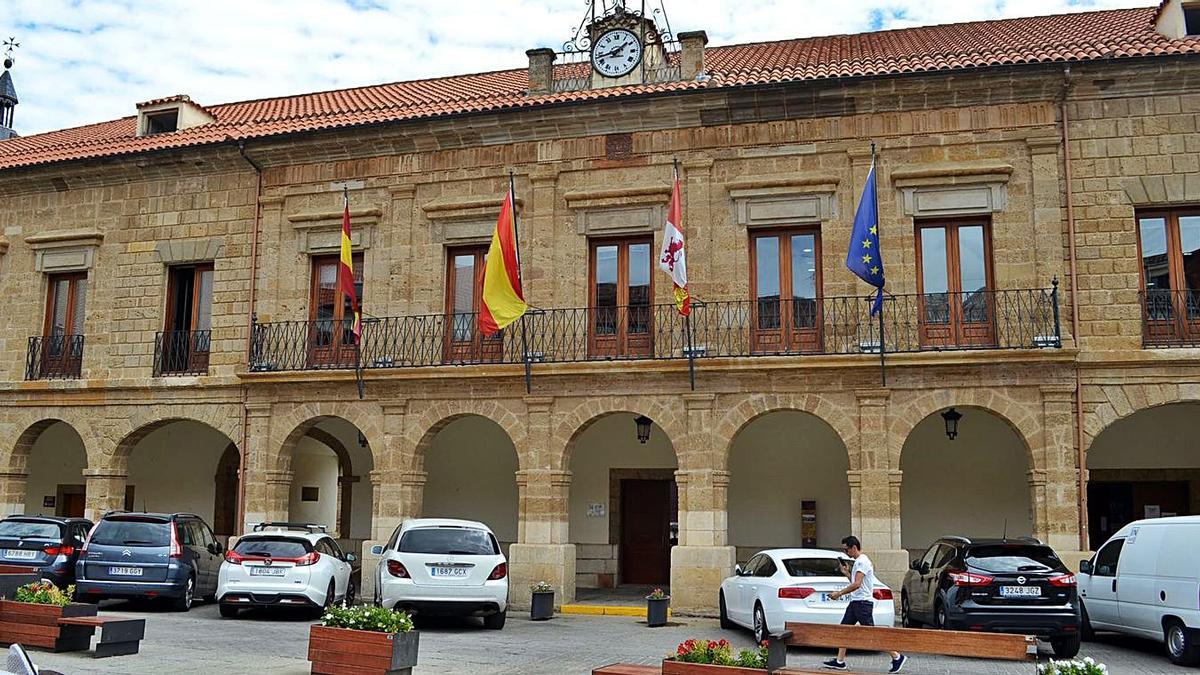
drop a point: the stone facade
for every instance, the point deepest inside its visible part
(986, 144)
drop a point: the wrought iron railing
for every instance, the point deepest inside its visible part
(1009, 319)
(573, 68)
(1170, 318)
(54, 357)
(181, 352)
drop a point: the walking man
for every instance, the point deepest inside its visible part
(861, 609)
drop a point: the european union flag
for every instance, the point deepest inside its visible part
(864, 257)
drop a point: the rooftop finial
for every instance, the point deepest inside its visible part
(9, 45)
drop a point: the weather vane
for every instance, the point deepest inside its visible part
(9, 45)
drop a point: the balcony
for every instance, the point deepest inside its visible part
(1170, 318)
(54, 357)
(181, 352)
(1009, 319)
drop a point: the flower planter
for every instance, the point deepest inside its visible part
(542, 606)
(656, 612)
(341, 650)
(37, 625)
(672, 667)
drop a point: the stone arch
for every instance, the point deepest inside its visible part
(841, 418)
(295, 423)
(670, 418)
(1118, 401)
(226, 419)
(29, 427)
(425, 426)
(1021, 416)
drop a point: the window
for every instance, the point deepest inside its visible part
(929, 556)
(945, 555)
(464, 297)
(62, 341)
(955, 259)
(162, 122)
(621, 289)
(1107, 559)
(766, 568)
(785, 276)
(187, 330)
(1191, 19)
(1169, 242)
(331, 333)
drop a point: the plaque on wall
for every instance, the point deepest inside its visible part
(48, 501)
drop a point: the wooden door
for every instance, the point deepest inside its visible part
(785, 283)
(187, 333)
(73, 505)
(464, 301)
(620, 314)
(645, 553)
(956, 304)
(331, 342)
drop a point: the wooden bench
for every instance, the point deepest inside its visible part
(118, 636)
(968, 644)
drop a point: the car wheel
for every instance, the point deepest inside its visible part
(184, 602)
(906, 619)
(725, 622)
(351, 594)
(1182, 646)
(939, 615)
(229, 611)
(1065, 647)
(761, 633)
(1085, 625)
(330, 596)
(495, 621)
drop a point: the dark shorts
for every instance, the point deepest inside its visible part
(861, 612)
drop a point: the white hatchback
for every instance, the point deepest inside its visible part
(440, 566)
(284, 565)
(792, 584)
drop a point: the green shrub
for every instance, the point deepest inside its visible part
(366, 617)
(1085, 666)
(719, 653)
(45, 593)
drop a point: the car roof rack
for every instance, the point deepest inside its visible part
(311, 528)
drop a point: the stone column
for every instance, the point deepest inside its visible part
(1045, 193)
(278, 495)
(1056, 488)
(12, 492)
(878, 482)
(397, 491)
(257, 457)
(105, 492)
(379, 536)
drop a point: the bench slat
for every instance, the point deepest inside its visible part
(945, 642)
(627, 669)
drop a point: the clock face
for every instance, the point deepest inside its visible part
(616, 53)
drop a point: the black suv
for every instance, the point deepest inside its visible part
(995, 585)
(48, 544)
(173, 556)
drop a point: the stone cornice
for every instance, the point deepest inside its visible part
(60, 238)
(978, 171)
(322, 218)
(817, 182)
(623, 196)
(455, 208)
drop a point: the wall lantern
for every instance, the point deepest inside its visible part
(951, 417)
(643, 428)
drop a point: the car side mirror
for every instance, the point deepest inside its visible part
(1085, 566)
(924, 568)
(738, 570)
(915, 565)
(350, 557)
(377, 550)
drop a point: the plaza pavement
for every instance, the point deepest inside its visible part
(268, 643)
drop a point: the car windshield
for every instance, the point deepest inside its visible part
(24, 529)
(812, 567)
(127, 532)
(449, 541)
(272, 547)
(1013, 558)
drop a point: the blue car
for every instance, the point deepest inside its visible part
(170, 556)
(49, 545)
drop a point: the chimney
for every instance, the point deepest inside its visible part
(691, 57)
(541, 70)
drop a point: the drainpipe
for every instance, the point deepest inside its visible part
(1081, 453)
(241, 500)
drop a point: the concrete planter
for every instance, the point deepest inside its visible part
(36, 625)
(671, 667)
(339, 650)
(656, 612)
(541, 607)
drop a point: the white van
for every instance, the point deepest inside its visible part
(1145, 581)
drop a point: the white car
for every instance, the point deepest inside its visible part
(284, 565)
(791, 584)
(439, 566)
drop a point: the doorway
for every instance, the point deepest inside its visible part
(1114, 504)
(71, 501)
(647, 512)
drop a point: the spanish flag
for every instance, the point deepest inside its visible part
(503, 301)
(346, 269)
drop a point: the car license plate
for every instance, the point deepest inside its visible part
(20, 555)
(267, 571)
(125, 571)
(825, 598)
(1020, 592)
(448, 572)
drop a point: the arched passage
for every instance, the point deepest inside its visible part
(54, 460)
(976, 485)
(1144, 465)
(787, 484)
(611, 472)
(331, 463)
(471, 467)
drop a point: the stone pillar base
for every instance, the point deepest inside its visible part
(370, 563)
(890, 567)
(531, 563)
(696, 576)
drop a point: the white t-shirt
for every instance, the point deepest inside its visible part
(866, 591)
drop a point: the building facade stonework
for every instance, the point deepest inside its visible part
(1056, 165)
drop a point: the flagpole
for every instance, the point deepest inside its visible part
(879, 252)
(687, 318)
(512, 196)
(358, 373)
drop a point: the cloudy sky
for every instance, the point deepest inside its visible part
(84, 61)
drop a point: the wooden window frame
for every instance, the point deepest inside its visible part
(477, 349)
(621, 343)
(956, 332)
(68, 360)
(72, 298)
(788, 338)
(339, 351)
(1179, 327)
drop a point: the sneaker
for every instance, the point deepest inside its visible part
(898, 664)
(834, 664)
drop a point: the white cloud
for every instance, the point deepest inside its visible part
(85, 61)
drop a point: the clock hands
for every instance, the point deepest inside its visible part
(618, 49)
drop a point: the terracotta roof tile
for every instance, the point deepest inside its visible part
(1084, 36)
